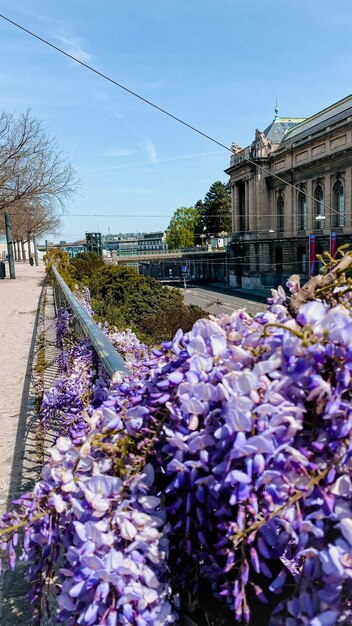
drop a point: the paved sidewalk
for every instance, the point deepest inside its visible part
(19, 314)
(19, 462)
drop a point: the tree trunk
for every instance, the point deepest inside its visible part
(29, 247)
(35, 251)
(15, 249)
(18, 251)
(23, 251)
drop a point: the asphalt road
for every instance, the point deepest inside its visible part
(215, 301)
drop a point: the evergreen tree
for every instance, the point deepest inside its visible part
(216, 209)
(199, 226)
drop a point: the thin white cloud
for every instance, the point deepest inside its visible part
(70, 43)
(138, 191)
(181, 157)
(151, 151)
(159, 82)
(118, 153)
(73, 46)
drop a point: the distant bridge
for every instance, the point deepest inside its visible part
(158, 255)
(201, 264)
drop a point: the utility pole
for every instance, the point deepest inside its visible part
(9, 245)
(35, 251)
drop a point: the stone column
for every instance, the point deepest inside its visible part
(235, 208)
(251, 205)
(262, 205)
(272, 217)
(290, 210)
(258, 199)
(246, 205)
(329, 181)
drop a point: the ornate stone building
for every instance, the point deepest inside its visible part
(291, 196)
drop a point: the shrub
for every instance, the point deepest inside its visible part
(61, 260)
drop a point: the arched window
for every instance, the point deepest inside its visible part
(338, 204)
(319, 206)
(302, 210)
(280, 214)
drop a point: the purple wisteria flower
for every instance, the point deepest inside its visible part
(84, 297)
(223, 456)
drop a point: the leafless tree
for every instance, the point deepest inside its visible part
(31, 168)
(32, 219)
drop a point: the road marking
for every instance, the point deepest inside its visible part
(209, 301)
(227, 305)
(230, 307)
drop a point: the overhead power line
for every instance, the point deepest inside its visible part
(114, 82)
(158, 108)
(136, 215)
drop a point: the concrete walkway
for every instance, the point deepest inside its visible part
(19, 463)
(19, 314)
(24, 316)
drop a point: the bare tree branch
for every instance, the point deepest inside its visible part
(31, 168)
(32, 219)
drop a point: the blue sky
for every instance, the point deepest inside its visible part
(219, 64)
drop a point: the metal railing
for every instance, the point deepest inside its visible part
(165, 253)
(110, 358)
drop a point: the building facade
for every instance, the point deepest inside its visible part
(73, 249)
(141, 243)
(291, 196)
(94, 243)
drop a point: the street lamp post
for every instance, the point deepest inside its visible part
(312, 247)
(333, 238)
(333, 243)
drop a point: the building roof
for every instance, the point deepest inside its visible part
(280, 126)
(331, 115)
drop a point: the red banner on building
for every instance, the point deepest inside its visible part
(312, 255)
(333, 243)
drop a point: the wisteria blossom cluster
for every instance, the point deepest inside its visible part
(224, 457)
(81, 382)
(127, 343)
(84, 298)
(78, 384)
